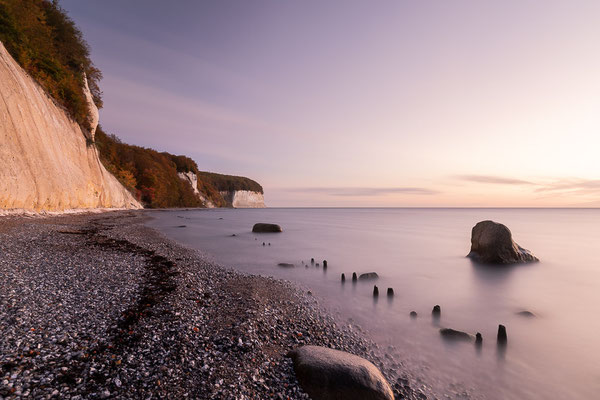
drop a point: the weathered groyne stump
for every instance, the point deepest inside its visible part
(492, 243)
(266, 228)
(375, 291)
(478, 339)
(327, 374)
(436, 313)
(502, 337)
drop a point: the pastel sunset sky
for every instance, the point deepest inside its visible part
(360, 103)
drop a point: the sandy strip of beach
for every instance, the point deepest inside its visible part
(102, 306)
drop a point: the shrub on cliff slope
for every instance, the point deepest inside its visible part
(47, 44)
(229, 183)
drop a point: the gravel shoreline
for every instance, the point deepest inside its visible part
(101, 306)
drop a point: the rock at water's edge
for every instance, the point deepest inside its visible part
(286, 265)
(368, 276)
(266, 228)
(527, 314)
(492, 243)
(327, 374)
(455, 335)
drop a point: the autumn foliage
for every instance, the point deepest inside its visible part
(47, 44)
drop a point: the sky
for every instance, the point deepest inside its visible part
(357, 103)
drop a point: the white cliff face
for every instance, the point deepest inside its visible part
(244, 199)
(94, 114)
(192, 179)
(46, 163)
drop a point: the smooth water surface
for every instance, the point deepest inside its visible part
(420, 253)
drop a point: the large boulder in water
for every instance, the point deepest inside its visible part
(492, 243)
(266, 228)
(327, 374)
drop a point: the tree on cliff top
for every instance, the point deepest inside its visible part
(47, 44)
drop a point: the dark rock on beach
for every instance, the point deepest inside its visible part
(369, 276)
(492, 243)
(328, 374)
(266, 228)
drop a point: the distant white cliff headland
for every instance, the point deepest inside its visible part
(233, 198)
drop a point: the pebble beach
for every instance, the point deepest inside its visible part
(101, 306)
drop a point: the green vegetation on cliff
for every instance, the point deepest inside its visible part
(46, 43)
(229, 183)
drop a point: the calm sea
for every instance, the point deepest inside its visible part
(420, 253)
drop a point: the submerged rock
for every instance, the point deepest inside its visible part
(368, 276)
(454, 335)
(526, 314)
(266, 228)
(492, 243)
(327, 374)
(413, 314)
(286, 265)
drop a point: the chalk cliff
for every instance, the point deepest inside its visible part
(192, 179)
(47, 163)
(231, 198)
(244, 199)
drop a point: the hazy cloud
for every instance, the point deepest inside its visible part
(581, 186)
(493, 179)
(364, 191)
